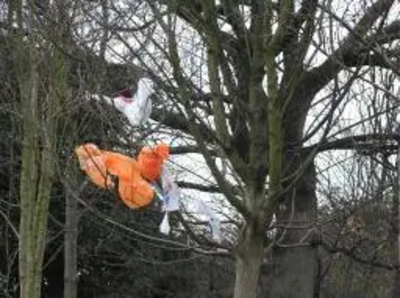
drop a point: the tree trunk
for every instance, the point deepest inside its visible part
(395, 239)
(35, 191)
(28, 190)
(294, 273)
(295, 259)
(39, 121)
(248, 262)
(70, 246)
(396, 285)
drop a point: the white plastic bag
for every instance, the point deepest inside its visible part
(170, 198)
(137, 108)
(165, 228)
(171, 191)
(211, 217)
(138, 111)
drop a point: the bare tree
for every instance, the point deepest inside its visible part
(240, 80)
(219, 99)
(42, 91)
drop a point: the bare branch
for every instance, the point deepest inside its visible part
(362, 260)
(324, 73)
(363, 143)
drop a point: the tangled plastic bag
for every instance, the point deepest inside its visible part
(91, 161)
(165, 227)
(214, 222)
(101, 166)
(151, 160)
(171, 191)
(170, 198)
(136, 108)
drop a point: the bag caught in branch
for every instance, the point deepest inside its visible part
(101, 165)
(151, 160)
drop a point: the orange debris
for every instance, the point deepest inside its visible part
(151, 161)
(92, 163)
(132, 188)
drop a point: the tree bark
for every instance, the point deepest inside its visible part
(294, 273)
(295, 259)
(28, 189)
(248, 262)
(396, 285)
(395, 239)
(39, 121)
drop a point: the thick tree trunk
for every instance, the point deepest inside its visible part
(248, 262)
(395, 230)
(396, 285)
(295, 259)
(294, 273)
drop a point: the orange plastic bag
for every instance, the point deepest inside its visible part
(135, 194)
(125, 167)
(151, 161)
(132, 188)
(92, 163)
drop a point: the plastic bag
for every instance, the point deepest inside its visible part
(171, 191)
(101, 165)
(170, 198)
(138, 108)
(151, 161)
(92, 163)
(165, 228)
(135, 194)
(214, 222)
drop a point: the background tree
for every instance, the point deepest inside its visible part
(261, 90)
(41, 93)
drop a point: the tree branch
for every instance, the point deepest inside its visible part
(178, 121)
(205, 188)
(323, 74)
(363, 143)
(185, 92)
(350, 253)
